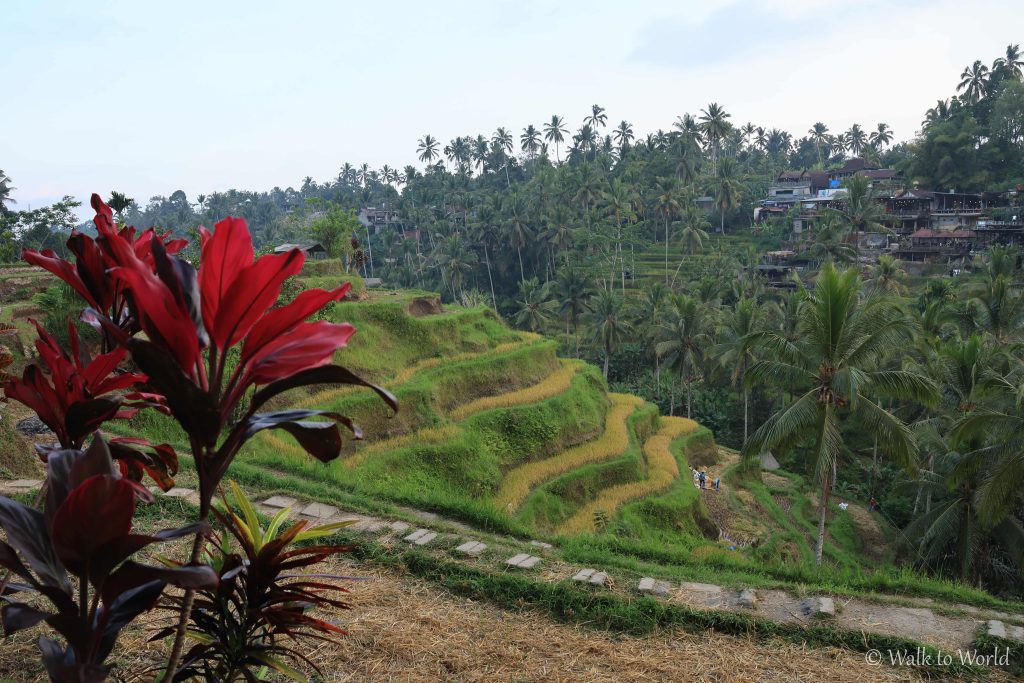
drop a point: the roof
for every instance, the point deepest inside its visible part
(925, 233)
(853, 165)
(879, 173)
(916, 194)
(818, 178)
(315, 246)
(791, 175)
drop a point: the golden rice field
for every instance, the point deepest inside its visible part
(426, 436)
(516, 485)
(321, 398)
(556, 383)
(662, 467)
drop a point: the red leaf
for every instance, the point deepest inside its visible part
(252, 292)
(305, 346)
(94, 514)
(225, 252)
(280, 320)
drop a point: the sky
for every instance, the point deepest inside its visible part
(149, 98)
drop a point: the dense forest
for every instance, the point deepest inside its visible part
(637, 250)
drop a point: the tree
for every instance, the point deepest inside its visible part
(5, 192)
(573, 289)
(714, 126)
(687, 338)
(533, 309)
(555, 131)
(818, 133)
(887, 277)
(597, 118)
(736, 350)
(607, 320)
(830, 369)
(727, 190)
(974, 81)
(666, 205)
(120, 203)
(856, 139)
(1009, 65)
(453, 257)
(859, 211)
(881, 136)
(623, 135)
(427, 151)
(530, 140)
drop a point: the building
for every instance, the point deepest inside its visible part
(313, 251)
(380, 218)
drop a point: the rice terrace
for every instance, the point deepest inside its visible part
(580, 401)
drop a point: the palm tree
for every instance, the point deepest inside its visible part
(858, 211)
(887, 277)
(831, 368)
(687, 338)
(856, 139)
(597, 118)
(881, 136)
(623, 135)
(530, 140)
(427, 150)
(736, 352)
(693, 234)
(533, 309)
(727, 190)
(715, 127)
(1009, 66)
(649, 317)
(974, 81)
(119, 202)
(516, 227)
(573, 289)
(555, 131)
(484, 230)
(609, 325)
(5, 192)
(454, 260)
(666, 204)
(818, 133)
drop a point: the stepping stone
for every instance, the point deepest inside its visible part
(701, 587)
(319, 511)
(523, 561)
(370, 526)
(591, 576)
(280, 502)
(819, 607)
(747, 598)
(421, 537)
(178, 492)
(471, 548)
(995, 629)
(25, 484)
(649, 585)
(400, 526)
(540, 544)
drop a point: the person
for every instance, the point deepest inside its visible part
(717, 482)
(702, 477)
(871, 504)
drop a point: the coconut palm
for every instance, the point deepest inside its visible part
(119, 202)
(1009, 65)
(573, 289)
(687, 337)
(831, 370)
(819, 134)
(5, 192)
(887, 277)
(530, 140)
(974, 81)
(517, 230)
(454, 259)
(623, 135)
(427, 150)
(881, 136)
(736, 349)
(714, 126)
(858, 210)
(555, 131)
(608, 322)
(597, 118)
(856, 139)
(727, 189)
(650, 313)
(533, 309)
(666, 204)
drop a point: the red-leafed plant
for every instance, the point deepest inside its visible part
(216, 350)
(261, 608)
(76, 554)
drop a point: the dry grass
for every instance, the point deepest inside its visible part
(662, 471)
(556, 383)
(613, 441)
(406, 630)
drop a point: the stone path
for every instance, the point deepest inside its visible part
(853, 614)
